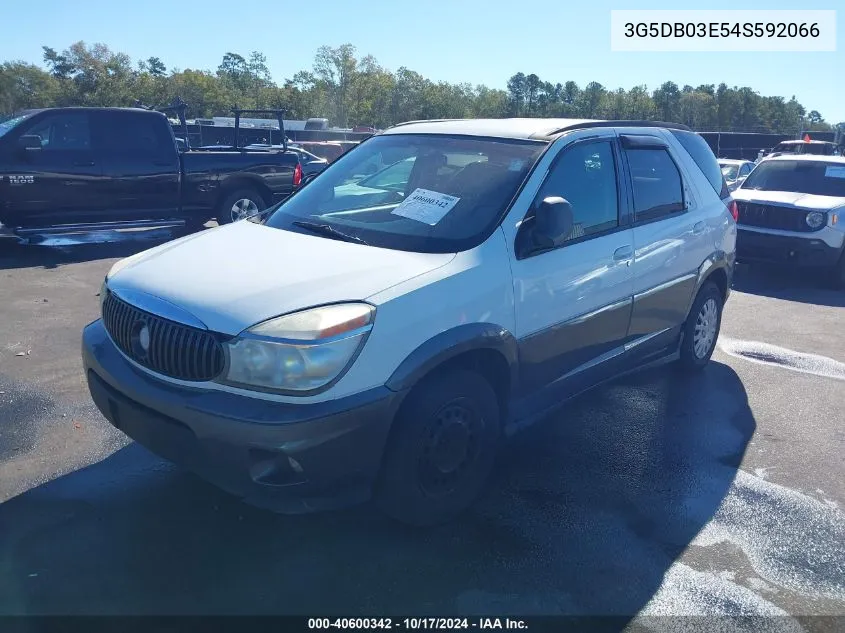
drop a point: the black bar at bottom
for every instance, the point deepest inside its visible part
(533, 624)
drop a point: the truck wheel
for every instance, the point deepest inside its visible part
(239, 205)
(702, 328)
(441, 449)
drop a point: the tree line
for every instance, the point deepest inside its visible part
(349, 90)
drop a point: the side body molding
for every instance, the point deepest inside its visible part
(452, 343)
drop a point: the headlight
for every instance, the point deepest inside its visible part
(299, 352)
(816, 219)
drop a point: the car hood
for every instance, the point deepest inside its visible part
(232, 277)
(789, 198)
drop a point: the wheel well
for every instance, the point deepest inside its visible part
(230, 186)
(720, 278)
(491, 364)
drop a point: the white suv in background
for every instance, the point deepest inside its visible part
(379, 333)
(791, 212)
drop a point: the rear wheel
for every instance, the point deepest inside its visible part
(441, 450)
(702, 328)
(239, 205)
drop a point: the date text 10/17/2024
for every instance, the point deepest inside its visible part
(412, 624)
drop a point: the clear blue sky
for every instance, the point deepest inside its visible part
(479, 41)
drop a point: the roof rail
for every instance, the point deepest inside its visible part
(588, 124)
(426, 121)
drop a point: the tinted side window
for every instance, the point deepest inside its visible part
(133, 134)
(585, 175)
(703, 156)
(656, 183)
(63, 132)
(746, 169)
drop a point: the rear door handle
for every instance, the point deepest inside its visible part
(85, 163)
(698, 227)
(623, 253)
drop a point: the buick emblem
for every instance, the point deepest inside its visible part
(144, 338)
(140, 339)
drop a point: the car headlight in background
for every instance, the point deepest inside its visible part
(816, 219)
(299, 352)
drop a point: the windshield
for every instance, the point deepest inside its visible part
(730, 171)
(799, 176)
(9, 124)
(423, 193)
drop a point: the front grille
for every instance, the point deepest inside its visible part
(172, 349)
(774, 217)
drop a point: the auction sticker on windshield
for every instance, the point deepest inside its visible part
(834, 172)
(426, 206)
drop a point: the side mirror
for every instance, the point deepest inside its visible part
(553, 222)
(29, 143)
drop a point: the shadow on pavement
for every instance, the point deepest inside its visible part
(586, 513)
(788, 284)
(59, 251)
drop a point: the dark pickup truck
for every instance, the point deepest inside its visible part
(73, 169)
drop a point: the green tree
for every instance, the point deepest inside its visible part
(667, 98)
(335, 68)
(517, 94)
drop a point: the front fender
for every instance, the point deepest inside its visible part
(451, 344)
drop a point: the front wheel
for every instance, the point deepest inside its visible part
(837, 274)
(239, 205)
(702, 328)
(441, 449)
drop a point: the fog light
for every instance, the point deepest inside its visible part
(815, 219)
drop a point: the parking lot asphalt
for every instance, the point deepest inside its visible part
(655, 495)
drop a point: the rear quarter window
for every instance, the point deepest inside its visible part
(703, 156)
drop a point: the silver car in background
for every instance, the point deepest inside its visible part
(735, 171)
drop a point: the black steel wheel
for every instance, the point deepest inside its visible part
(441, 449)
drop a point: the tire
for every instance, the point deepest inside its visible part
(695, 357)
(441, 449)
(252, 202)
(837, 274)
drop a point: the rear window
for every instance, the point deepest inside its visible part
(703, 156)
(128, 133)
(656, 184)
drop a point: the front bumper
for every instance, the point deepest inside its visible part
(291, 458)
(806, 251)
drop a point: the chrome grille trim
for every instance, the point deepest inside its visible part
(175, 350)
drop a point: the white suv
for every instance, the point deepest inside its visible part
(791, 212)
(431, 291)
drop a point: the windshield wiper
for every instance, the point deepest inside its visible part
(328, 231)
